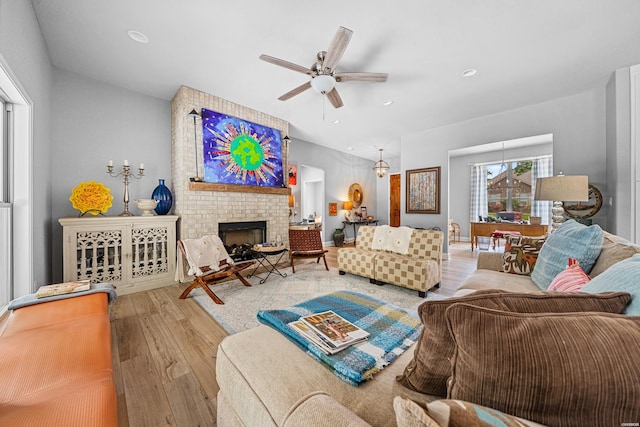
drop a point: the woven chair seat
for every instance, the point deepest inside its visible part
(306, 244)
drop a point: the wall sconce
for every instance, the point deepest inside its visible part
(347, 206)
(558, 188)
(194, 114)
(292, 204)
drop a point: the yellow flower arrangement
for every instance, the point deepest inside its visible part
(91, 197)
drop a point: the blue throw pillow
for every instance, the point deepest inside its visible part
(570, 240)
(623, 276)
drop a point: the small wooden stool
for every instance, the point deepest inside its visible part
(501, 234)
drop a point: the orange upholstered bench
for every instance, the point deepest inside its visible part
(55, 367)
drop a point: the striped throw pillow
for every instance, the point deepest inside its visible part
(572, 279)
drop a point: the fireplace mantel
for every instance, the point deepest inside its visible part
(208, 186)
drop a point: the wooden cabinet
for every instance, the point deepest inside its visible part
(134, 253)
(486, 228)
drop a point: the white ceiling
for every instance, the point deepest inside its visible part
(525, 52)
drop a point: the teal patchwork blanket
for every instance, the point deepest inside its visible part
(392, 330)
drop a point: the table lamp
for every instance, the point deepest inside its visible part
(559, 188)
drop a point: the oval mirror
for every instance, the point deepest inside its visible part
(356, 195)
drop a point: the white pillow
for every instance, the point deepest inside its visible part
(398, 240)
(380, 236)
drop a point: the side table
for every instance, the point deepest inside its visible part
(363, 222)
(261, 254)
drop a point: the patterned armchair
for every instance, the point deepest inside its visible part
(420, 269)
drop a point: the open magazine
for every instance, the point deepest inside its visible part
(328, 331)
(62, 288)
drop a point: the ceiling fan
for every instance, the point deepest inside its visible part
(322, 72)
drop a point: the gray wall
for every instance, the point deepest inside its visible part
(23, 49)
(577, 123)
(341, 170)
(93, 123)
(619, 172)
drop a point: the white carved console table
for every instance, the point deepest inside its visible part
(134, 253)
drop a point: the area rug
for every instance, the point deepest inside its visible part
(392, 330)
(241, 303)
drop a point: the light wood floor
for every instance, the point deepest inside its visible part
(164, 351)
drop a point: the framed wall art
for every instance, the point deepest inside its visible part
(423, 190)
(238, 151)
(333, 209)
(293, 174)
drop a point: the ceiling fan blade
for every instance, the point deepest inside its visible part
(334, 98)
(286, 64)
(337, 47)
(295, 91)
(361, 77)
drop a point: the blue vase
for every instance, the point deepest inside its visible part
(164, 197)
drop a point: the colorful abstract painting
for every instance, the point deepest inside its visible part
(240, 152)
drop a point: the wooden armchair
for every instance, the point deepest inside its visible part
(306, 244)
(454, 232)
(201, 254)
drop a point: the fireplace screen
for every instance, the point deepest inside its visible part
(239, 237)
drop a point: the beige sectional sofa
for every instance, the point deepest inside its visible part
(489, 273)
(266, 380)
(419, 268)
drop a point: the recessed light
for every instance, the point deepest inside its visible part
(388, 102)
(138, 36)
(469, 73)
(350, 148)
(336, 121)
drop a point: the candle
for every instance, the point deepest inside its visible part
(141, 165)
(110, 163)
(126, 162)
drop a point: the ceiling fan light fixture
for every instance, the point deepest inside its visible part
(323, 83)
(380, 168)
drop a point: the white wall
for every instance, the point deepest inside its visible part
(312, 180)
(577, 123)
(23, 49)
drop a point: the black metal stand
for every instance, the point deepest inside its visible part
(263, 260)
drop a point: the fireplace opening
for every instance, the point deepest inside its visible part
(239, 237)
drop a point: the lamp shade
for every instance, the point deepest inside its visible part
(573, 188)
(292, 200)
(347, 206)
(323, 83)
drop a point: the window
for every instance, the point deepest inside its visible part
(5, 210)
(509, 188)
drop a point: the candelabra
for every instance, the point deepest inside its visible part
(126, 174)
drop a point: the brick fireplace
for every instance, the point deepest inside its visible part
(201, 206)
